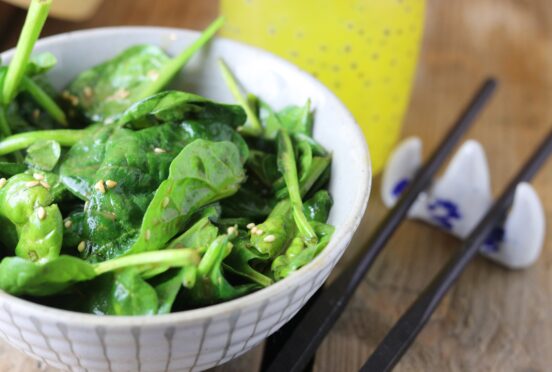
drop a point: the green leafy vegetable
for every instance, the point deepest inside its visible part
(8, 169)
(288, 167)
(211, 285)
(27, 211)
(103, 92)
(106, 90)
(202, 173)
(19, 276)
(41, 63)
(157, 203)
(123, 292)
(43, 155)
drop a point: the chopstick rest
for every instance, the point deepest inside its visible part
(458, 200)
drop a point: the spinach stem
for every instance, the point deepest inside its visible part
(213, 255)
(255, 127)
(319, 165)
(36, 16)
(44, 100)
(169, 257)
(65, 137)
(5, 130)
(174, 65)
(288, 167)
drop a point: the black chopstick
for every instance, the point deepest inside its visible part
(403, 333)
(324, 312)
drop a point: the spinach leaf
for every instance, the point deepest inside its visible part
(114, 217)
(73, 231)
(264, 165)
(120, 293)
(249, 203)
(43, 155)
(26, 207)
(19, 276)
(8, 169)
(176, 106)
(274, 234)
(294, 119)
(202, 173)
(211, 285)
(297, 119)
(103, 92)
(241, 260)
(318, 207)
(40, 63)
(168, 285)
(199, 236)
(80, 165)
(298, 255)
(317, 210)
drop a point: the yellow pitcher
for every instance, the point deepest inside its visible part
(364, 50)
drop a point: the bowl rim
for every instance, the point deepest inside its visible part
(349, 226)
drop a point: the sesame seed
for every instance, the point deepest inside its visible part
(41, 213)
(38, 176)
(45, 184)
(253, 230)
(259, 232)
(120, 94)
(31, 184)
(3, 182)
(165, 202)
(74, 100)
(153, 75)
(99, 186)
(159, 150)
(269, 238)
(110, 184)
(147, 235)
(65, 94)
(87, 91)
(68, 224)
(250, 225)
(33, 255)
(81, 246)
(231, 230)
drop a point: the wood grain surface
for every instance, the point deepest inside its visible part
(493, 319)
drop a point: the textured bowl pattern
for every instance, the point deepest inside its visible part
(202, 338)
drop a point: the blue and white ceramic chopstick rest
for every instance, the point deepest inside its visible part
(459, 199)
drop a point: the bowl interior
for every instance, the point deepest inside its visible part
(275, 80)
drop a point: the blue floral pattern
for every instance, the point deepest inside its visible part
(444, 212)
(400, 187)
(492, 243)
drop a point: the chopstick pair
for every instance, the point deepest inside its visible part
(294, 346)
(403, 333)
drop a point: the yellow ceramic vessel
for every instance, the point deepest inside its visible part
(364, 50)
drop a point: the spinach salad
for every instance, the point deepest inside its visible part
(118, 197)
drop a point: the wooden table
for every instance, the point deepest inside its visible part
(493, 319)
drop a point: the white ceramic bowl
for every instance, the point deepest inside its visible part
(202, 338)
